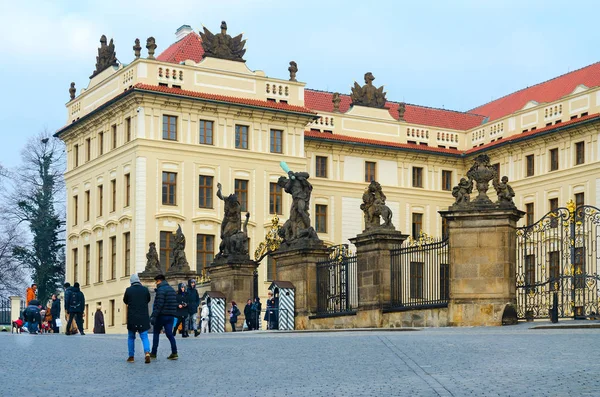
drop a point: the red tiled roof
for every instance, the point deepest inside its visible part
(547, 91)
(190, 47)
(365, 141)
(524, 135)
(224, 98)
(321, 101)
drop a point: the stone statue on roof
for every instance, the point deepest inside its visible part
(222, 45)
(293, 69)
(368, 95)
(106, 56)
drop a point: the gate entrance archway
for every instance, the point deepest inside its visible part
(560, 255)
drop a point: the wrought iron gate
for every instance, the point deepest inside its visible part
(559, 255)
(337, 282)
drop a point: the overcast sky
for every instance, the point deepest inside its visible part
(451, 54)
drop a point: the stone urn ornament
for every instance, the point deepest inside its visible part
(482, 173)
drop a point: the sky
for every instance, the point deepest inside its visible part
(447, 54)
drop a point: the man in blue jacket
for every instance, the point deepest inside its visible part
(163, 315)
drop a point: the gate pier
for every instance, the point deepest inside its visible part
(483, 264)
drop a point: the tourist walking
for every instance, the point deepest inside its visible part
(182, 310)
(234, 312)
(248, 314)
(193, 303)
(136, 298)
(256, 309)
(204, 318)
(163, 314)
(67, 287)
(76, 302)
(55, 312)
(99, 321)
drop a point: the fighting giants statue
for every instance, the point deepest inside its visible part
(180, 263)
(222, 45)
(374, 208)
(152, 261)
(234, 242)
(296, 231)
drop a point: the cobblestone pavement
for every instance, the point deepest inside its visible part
(501, 361)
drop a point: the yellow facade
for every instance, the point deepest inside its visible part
(117, 158)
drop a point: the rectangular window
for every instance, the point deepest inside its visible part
(100, 143)
(113, 132)
(127, 189)
(100, 264)
(579, 153)
(100, 199)
(75, 265)
(446, 180)
(88, 150)
(111, 321)
(416, 280)
(417, 177)
(530, 165)
(87, 206)
(579, 199)
(127, 129)
(444, 281)
(205, 252)
(165, 250)
(206, 132)
(169, 188)
(75, 209)
(205, 191)
(553, 159)
(321, 218)
(554, 268)
(241, 136)
(321, 166)
(553, 204)
(275, 198)
(170, 128)
(76, 155)
(529, 213)
(271, 268)
(86, 253)
(276, 141)
(417, 225)
(113, 258)
(370, 170)
(127, 245)
(241, 190)
(530, 269)
(113, 195)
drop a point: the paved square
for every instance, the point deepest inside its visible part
(507, 361)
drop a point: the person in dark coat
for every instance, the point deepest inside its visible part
(68, 291)
(234, 312)
(137, 298)
(99, 321)
(32, 316)
(55, 313)
(182, 310)
(256, 309)
(193, 304)
(76, 307)
(163, 315)
(272, 312)
(248, 314)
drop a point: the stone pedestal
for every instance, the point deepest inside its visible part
(15, 307)
(374, 273)
(482, 264)
(234, 280)
(176, 277)
(299, 266)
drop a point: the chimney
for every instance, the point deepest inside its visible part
(183, 31)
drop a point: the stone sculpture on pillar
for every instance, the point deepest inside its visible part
(296, 232)
(482, 172)
(401, 111)
(293, 69)
(368, 94)
(151, 47)
(72, 90)
(180, 263)
(374, 208)
(152, 261)
(106, 56)
(336, 102)
(505, 193)
(234, 242)
(137, 48)
(462, 193)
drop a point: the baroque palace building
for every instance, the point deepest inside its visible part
(148, 141)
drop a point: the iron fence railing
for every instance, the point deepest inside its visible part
(337, 283)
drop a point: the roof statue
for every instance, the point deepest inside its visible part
(401, 111)
(336, 102)
(368, 95)
(72, 91)
(151, 47)
(106, 56)
(137, 48)
(293, 69)
(222, 45)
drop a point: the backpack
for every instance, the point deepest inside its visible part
(76, 302)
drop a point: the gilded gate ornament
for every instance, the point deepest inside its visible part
(272, 241)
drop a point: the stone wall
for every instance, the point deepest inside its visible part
(377, 319)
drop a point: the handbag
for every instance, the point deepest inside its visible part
(58, 322)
